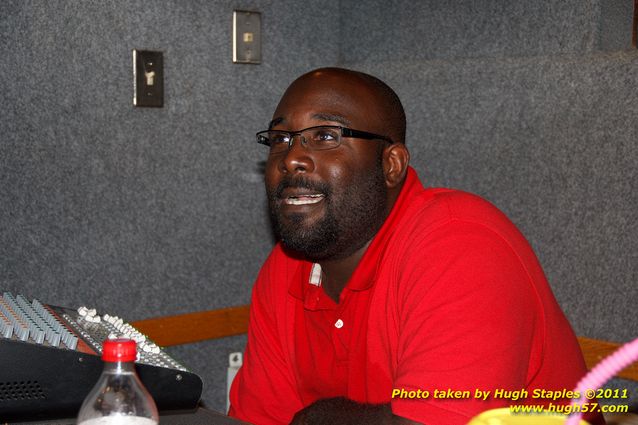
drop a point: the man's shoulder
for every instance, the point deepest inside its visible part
(434, 206)
(441, 200)
(454, 222)
(462, 220)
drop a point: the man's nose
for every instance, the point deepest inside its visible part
(298, 158)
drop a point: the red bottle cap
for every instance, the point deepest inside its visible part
(119, 350)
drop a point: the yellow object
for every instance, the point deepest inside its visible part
(504, 417)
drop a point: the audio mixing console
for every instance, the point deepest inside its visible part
(50, 360)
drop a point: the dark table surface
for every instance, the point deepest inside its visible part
(200, 416)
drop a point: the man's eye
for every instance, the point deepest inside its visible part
(279, 138)
(325, 136)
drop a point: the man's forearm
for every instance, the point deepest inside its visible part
(339, 410)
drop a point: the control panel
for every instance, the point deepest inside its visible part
(50, 360)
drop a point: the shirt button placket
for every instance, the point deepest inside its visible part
(338, 341)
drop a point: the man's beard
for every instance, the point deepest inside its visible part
(353, 215)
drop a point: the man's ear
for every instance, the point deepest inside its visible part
(395, 164)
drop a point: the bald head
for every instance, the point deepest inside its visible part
(370, 94)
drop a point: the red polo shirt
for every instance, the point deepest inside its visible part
(448, 296)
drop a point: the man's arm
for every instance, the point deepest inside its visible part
(339, 410)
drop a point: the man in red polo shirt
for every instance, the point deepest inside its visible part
(384, 302)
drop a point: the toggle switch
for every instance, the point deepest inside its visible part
(246, 37)
(148, 78)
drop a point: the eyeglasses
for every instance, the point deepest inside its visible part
(321, 137)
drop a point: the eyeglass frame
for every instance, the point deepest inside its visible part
(345, 132)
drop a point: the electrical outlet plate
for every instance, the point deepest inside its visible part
(246, 37)
(148, 78)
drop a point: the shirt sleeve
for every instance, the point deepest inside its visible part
(469, 319)
(264, 390)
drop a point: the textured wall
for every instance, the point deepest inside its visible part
(142, 212)
(432, 29)
(146, 212)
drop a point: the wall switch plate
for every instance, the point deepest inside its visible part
(246, 37)
(148, 78)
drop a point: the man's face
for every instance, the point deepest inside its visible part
(327, 204)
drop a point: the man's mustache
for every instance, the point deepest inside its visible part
(301, 182)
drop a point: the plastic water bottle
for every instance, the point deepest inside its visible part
(119, 397)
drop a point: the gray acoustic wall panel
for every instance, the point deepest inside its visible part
(403, 30)
(616, 25)
(142, 212)
(377, 30)
(121, 200)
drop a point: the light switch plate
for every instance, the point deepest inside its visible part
(246, 37)
(148, 78)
